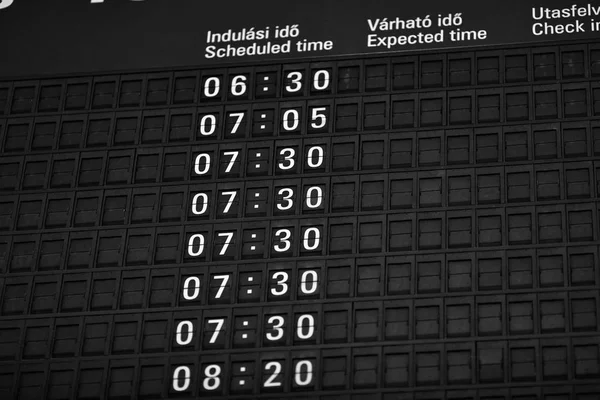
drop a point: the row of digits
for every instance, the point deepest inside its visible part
(275, 326)
(304, 329)
(230, 161)
(305, 324)
(213, 87)
(272, 380)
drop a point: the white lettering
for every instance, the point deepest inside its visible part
(400, 24)
(237, 36)
(539, 13)
(304, 45)
(373, 24)
(253, 49)
(546, 28)
(390, 41)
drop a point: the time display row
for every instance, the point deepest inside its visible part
(394, 368)
(292, 80)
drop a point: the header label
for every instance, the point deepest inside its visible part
(66, 37)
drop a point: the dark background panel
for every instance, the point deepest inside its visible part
(68, 36)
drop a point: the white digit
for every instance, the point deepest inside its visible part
(270, 382)
(229, 236)
(304, 280)
(307, 238)
(189, 333)
(187, 285)
(280, 283)
(321, 118)
(310, 157)
(224, 279)
(212, 86)
(295, 120)
(298, 373)
(238, 121)
(287, 234)
(231, 195)
(238, 85)
(212, 373)
(208, 121)
(314, 200)
(204, 203)
(234, 155)
(215, 334)
(300, 326)
(296, 78)
(277, 322)
(288, 155)
(287, 194)
(191, 244)
(205, 159)
(321, 76)
(177, 385)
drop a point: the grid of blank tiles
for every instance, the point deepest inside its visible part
(460, 229)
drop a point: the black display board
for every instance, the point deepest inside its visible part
(71, 36)
(372, 220)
